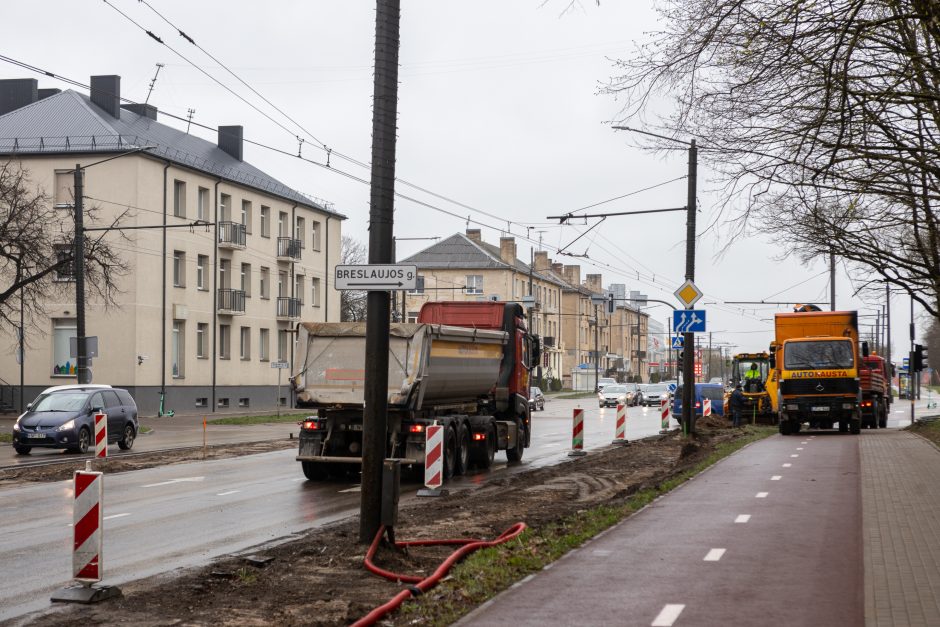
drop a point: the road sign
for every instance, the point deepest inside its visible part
(677, 342)
(688, 320)
(672, 387)
(281, 365)
(377, 278)
(688, 294)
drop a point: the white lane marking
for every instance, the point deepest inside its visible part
(795, 455)
(299, 479)
(601, 552)
(776, 478)
(172, 481)
(742, 518)
(668, 615)
(116, 516)
(227, 493)
(357, 488)
(804, 442)
(799, 448)
(714, 555)
(761, 495)
(787, 465)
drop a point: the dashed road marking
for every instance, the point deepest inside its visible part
(776, 478)
(714, 555)
(787, 465)
(227, 493)
(668, 615)
(357, 488)
(116, 516)
(172, 481)
(761, 495)
(742, 518)
(799, 448)
(795, 455)
(601, 552)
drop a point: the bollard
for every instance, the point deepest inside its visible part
(706, 407)
(664, 414)
(433, 461)
(101, 435)
(577, 434)
(620, 435)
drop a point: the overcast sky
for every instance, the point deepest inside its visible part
(498, 111)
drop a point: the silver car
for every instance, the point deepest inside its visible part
(613, 395)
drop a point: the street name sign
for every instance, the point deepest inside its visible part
(376, 277)
(688, 321)
(688, 293)
(280, 365)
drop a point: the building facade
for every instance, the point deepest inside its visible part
(209, 302)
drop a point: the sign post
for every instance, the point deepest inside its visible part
(279, 365)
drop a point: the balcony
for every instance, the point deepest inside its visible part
(288, 308)
(288, 249)
(231, 235)
(231, 302)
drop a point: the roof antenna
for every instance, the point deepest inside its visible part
(189, 118)
(153, 82)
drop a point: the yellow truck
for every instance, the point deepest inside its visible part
(815, 357)
(759, 392)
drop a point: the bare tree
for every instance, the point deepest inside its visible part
(352, 306)
(821, 119)
(36, 252)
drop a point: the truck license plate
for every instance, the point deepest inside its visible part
(820, 409)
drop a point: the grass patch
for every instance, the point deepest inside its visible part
(928, 430)
(577, 395)
(6, 437)
(490, 571)
(258, 420)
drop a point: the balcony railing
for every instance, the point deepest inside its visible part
(288, 308)
(231, 235)
(231, 302)
(288, 249)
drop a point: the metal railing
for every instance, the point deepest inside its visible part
(288, 247)
(231, 301)
(288, 307)
(232, 234)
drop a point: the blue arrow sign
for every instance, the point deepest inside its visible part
(688, 321)
(677, 342)
(672, 387)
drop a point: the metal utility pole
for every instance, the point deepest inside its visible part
(888, 338)
(832, 280)
(597, 328)
(381, 219)
(81, 359)
(910, 364)
(19, 269)
(688, 377)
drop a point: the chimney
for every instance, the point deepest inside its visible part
(558, 269)
(507, 250)
(143, 110)
(106, 93)
(45, 93)
(593, 282)
(230, 140)
(16, 93)
(573, 275)
(475, 236)
(541, 260)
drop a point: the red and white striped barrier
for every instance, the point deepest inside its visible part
(434, 457)
(87, 515)
(620, 434)
(664, 414)
(577, 433)
(101, 435)
(706, 407)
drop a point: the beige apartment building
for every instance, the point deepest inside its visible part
(209, 303)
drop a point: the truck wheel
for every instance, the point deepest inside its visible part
(843, 426)
(315, 471)
(515, 454)
(462, 461)
(855, 426)
(484, 454)
(450, 452)
(784, 427)
(883, 418)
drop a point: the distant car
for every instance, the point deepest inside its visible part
(604, 381)
(634, 393)
(617, 394)
(63, 417)
(536, 399)
(655, 393)
(715, 393)
(717, 381)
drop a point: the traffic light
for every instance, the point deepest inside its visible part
(920, 358)
(610, 303)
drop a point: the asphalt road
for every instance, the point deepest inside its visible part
(164, 518)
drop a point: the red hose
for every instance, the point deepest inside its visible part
(424, 584)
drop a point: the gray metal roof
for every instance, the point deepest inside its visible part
(69, 122)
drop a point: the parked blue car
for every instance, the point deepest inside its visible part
(711, 391)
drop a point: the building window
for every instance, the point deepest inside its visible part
(300, 233)
(246, 279)
(64, 180)
(299, 288)
(243, 402)
(413, 317)
(244, 343)
(281, 224)
(419, 285)
(177, 349)
(314, 292)
(246, 215)
(222, 402)
(282, 338)
(201, 262)
(202, 203)
(225, 208)
(265, 221)
(264, 339)
(65, 272)
(474, 284)
(282, 283)
(179, 268)
(315, 235)
(62, 362)
(224, 271)
(202, 340)
(202, 401)
(179, 199)
(265, 283)
(225, 341)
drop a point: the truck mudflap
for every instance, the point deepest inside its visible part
(345, 460)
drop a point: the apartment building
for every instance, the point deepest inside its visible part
(209, 302)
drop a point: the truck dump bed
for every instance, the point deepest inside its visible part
(816, 324)
(429, 364)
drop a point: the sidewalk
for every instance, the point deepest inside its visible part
(827, 535)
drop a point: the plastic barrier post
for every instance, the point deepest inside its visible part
(664, 414)
(101, 435)
(706, 407)
(620, 435)
(577, 434)
(433, 461)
